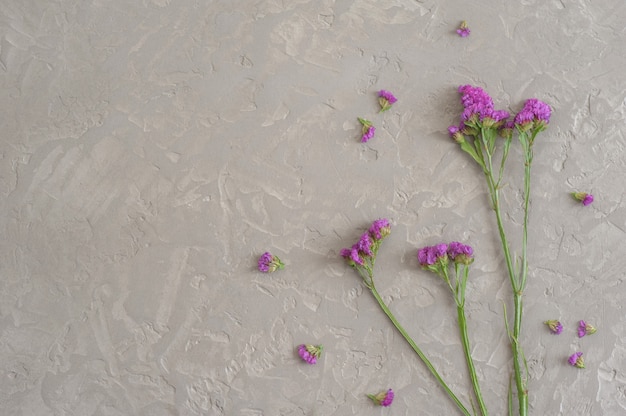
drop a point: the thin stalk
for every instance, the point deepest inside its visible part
(468, 358)
(418, 351)
(516, 285)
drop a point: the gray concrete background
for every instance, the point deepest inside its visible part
(152, 150)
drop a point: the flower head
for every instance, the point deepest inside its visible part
(366, 247)
(310, 353)
(585, 329)
(380, 229)
(384, 398)
(478, 107)
(535, 114)
(386, 99)
(576, 360)
(583, 197)
(460, 253)
(269, 263)
(429, 256)
(463, 29)
(367, 130)
(555, 326)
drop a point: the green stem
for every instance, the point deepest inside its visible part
(522, 392)
(419, 352)
(469, 360)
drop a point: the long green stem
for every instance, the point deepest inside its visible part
(418, 351)
(468, 358)
(522, 392)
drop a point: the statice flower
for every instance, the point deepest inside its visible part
(380, 229)
(555, 326)
(431, 255)
(386, 99)
(310, 353)
(367, 130)
(583, 197)
(535, 115)
(384, 398)
(460, 253)
(463, 29)
(269, 263)
(363, 252)
(576, 360)
(585, 329)
(478, 107)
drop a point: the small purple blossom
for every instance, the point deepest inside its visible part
(368, 243)
(380, 229)
(310, 353)
(576, 360)
(384, 398)
(478, 106)
(463, 30)
(555, 326)
(460, 253)
(534, 113)
(583, 197)
(269, 263)
(386, 99)
(367, 130)
(585, 329)
(428, 256)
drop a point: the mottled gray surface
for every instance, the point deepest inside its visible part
(152, 150)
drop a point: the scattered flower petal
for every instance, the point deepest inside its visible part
(555, 326)
(463, 29)
(583, 197)
(367, 130)
(269, 263)
(585, 329)
(310, 353)
(384, 398)
(386, 99)
(576, 360)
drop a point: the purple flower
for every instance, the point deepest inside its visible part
(460, 253)
(555, 326)
(352, 255)
(535, 113)
(310, 353)
(576, 360)
(269, 263)
(367, 130)
(384, 398)
(364, 245)
(585, 329)
(583, 197)
(380, 229)
(428, 256)
(463, 30)
(386, 99)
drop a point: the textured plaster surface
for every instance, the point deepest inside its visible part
(153, 149)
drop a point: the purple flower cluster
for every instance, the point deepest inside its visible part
(368, 133)
(585, 329)
(310, 353)
(458, 252)
(386, 99)
(555, 326)
(463, 30)
(576, 360)
(367, 130)
(478, 106)
(269, 263)
(368, 243)
(534, 111)
(384, 398)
